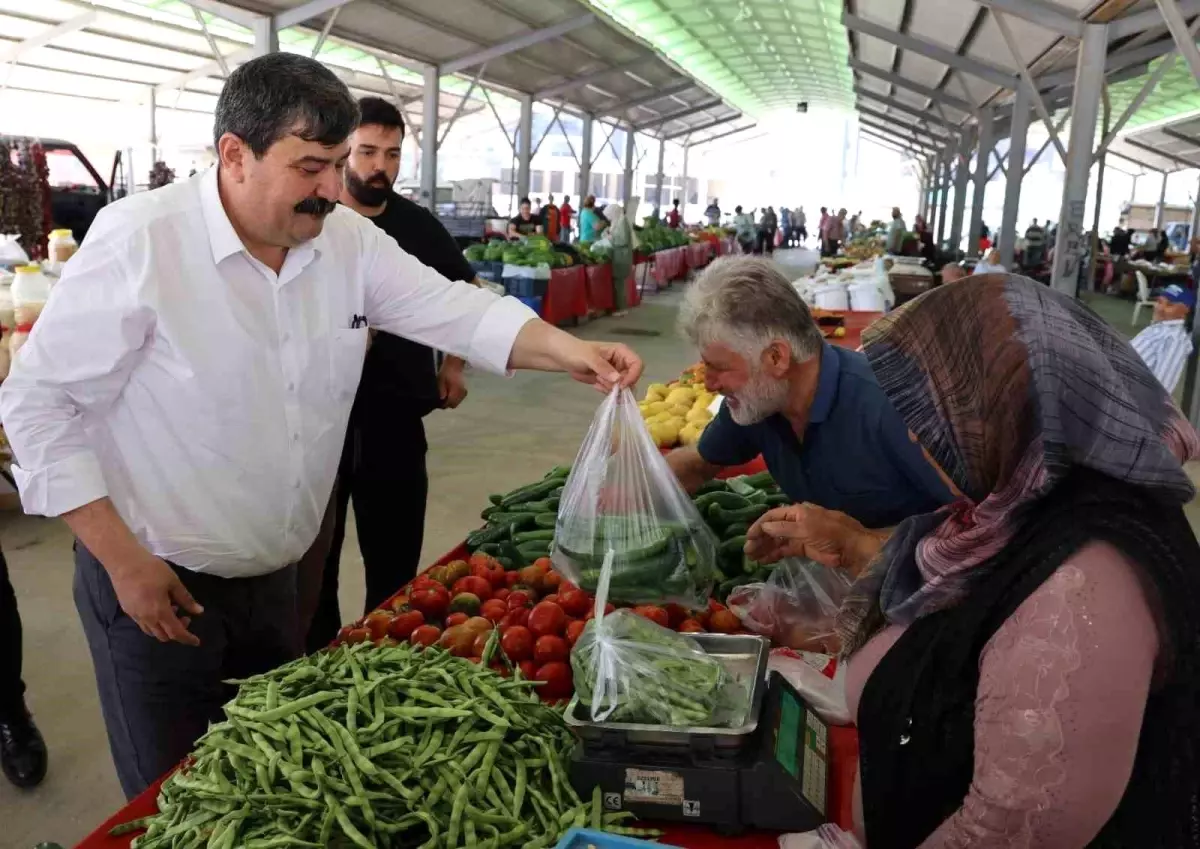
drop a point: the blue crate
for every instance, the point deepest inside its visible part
(526, 287)
(581, 838)
(534, 304)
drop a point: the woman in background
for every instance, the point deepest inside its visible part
(590, 222)
(621, 236)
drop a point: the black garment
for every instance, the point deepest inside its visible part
(12, 688)
(524, 227)
(916, 715)
(158, 698)
(383, 461)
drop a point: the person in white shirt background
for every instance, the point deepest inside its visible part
(1166, 344)
(183, 399)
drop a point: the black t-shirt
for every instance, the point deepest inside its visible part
(400, 374)
(525, 227)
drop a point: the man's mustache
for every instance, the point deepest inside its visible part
(315, 206)
(378, 179)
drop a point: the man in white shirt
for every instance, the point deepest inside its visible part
(182, 401)
(1167, 343)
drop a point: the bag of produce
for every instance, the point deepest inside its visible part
(622, 497)
(796, 607)
(629, 669)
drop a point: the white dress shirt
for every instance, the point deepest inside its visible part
(208, 396)
(1165, 347)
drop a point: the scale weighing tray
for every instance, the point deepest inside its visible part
(779, 781)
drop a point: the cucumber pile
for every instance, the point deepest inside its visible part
(520, 524)
(730, 507)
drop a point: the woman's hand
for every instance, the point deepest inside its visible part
(828, 537)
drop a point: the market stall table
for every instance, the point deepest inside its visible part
(600, 297)
(698, 254)
(566, 295)
(669, 264)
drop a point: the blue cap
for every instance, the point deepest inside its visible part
(1177, 294)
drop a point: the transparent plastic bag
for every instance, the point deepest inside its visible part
(622, 497)
(629, 669)
(796, 607)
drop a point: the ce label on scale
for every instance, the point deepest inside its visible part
(691, 808)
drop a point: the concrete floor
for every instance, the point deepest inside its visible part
(506, 433)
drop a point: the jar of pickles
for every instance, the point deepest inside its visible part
(30, 291)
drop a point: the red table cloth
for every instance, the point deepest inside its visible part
(669, 264)
(600, 296)
(566, 295)
(633, 292)
(698, 254)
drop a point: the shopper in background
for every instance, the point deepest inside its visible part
(767, 225)
(895, 233)
(621, 235)
(855, 224)
(590, 222)
(1119, 244)
(674, 219)
(746, 230)
(1023, 666)
(801, 222)
(1166, 344)
(183, 399)
(813, 410)
(551, 220)
(1035, 246)
(785, 226)
(991, 264)
(713, 213)
(524, 223)
(22, 749)
(537, 208)
(565, 216)
(1164, 246)
(952, 272)
(383, 461)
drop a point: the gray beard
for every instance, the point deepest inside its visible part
(761, 399)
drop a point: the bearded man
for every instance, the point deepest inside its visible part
(814, 411)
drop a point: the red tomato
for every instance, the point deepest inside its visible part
(458, 640)
(676, 613)
(690, 626)
(550, 648)
(473, 584)
(591, 614)
(487, 568)
(478, 625)
(551, 581)
(480, 644)
(528, 669)
(405, 623)
(575, 603)
(493, 610)
(400, 603)
(556, 678)
(517, 643)
(520, 617)
(715, 606)
(456, 619)
(545, 564)
(502, 594)
(574, 629)
(552, 597)
(500, 668)
(377, 623)
(519, 598)
(724, 622)
(511, 578)
(431, 600)
(655, 614)
(426, 635)
(358, 635)
(421, 582)
(547, 618)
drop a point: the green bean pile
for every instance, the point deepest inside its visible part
(367, 746)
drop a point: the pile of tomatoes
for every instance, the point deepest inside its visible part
(538, 614)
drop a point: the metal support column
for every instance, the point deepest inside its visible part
(658, 179)
(982, 167)
(585, 161)
(153, 127)
(430, 97)
(1195, 231)
(630, 151)
(266, 36)
(524, 146)
(1007, 236)
(1085, 113)
(1162, 202)
(687, 149)
(962, 170)
(944, 168)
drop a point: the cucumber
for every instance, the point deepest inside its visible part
(558, 472)
(505, 519)
(505, 562)
(757, 497)
(728, 500)
(736, 529)
(532, 493)
(488, 511)
(496, 498)
(732, 547)
(490, 534)
(541, 534)
(740, 486)
(534, 549)
(721, 516)
(762, 480)
(779, 500)
(491, 548)
(548, 505)
(545, 520)
(710, 486)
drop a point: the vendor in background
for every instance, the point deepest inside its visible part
(591, 223)
(551, 220)
(743, 222)
(767, 226)
(1119, 244)
(1023, 666)
(182, 402)
(895, 233)
(1166, 344)
(565, 216)
(800, 224)
(621, 235)
(713, 213)
(383, 462)
(674, 218)
(814, 411)
(524, 223)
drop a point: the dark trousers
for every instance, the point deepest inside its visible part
(12, 688)
(158, 698)
(383, 471)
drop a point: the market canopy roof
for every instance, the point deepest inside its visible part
(556, 50)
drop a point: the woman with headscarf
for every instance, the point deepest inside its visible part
(621, 235)
(1024, 665)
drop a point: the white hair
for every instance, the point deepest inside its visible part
(747, 303)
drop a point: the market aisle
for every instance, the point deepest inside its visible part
(506, 432)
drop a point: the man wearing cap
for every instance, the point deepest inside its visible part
(1167, 343)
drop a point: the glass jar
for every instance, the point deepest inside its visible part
(62, 246)
(30, 291)
(6, 322)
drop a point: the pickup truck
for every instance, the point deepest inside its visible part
(77, 191)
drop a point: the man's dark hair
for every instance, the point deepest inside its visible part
(377, 111)
(282, 93)
(523, 201)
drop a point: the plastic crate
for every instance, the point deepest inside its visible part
(534, 304)
(582, 838)
(526, 287)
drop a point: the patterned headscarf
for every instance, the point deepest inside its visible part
(1007, 385)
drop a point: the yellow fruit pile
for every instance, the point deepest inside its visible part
(677, 413)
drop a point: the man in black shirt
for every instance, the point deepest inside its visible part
(524, 223)
(383, 463)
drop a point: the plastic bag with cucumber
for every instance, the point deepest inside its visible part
(622, 497)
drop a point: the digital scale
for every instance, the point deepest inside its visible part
(776, 778)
